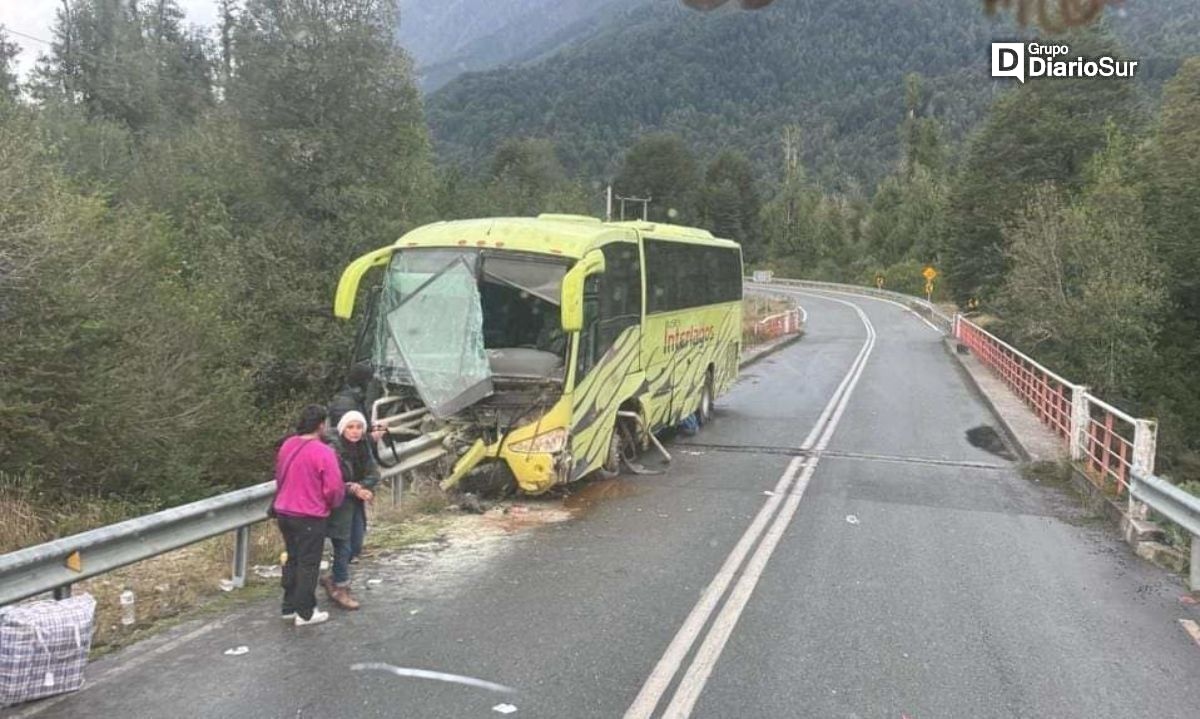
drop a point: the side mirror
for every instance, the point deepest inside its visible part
(572, 289)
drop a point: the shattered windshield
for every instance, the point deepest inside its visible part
(451, 318)
(437, 330)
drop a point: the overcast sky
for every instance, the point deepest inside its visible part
(35, 17)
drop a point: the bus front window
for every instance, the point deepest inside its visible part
(510, 318)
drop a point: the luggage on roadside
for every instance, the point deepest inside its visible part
(44, 648)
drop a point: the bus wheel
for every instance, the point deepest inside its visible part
(704, 412)
(612, 461)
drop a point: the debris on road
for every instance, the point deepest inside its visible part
(851, 519)
(504, 708)
(237, 651)
(768, 493)
(1192, 628)
(227, 585)
(470, 503)
(374, 581)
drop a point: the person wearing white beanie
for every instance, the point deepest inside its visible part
(347, 524)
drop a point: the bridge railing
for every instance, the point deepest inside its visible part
(1115, 449)
(777, 325)
(1110, 444)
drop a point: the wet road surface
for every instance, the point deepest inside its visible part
(890, 565)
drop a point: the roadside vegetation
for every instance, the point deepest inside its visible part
(175, 209)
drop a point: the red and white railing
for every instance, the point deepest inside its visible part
(1115, 449)
(1111, 444)
(777, 325)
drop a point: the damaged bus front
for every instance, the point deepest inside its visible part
(471, 335)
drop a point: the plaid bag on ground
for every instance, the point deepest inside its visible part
(44, 648)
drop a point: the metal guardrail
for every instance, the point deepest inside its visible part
(1182, 508)
(917, 304)
(44, 567)
(55, 566)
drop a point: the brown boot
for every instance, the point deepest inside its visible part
(341, 597)
(330, 590)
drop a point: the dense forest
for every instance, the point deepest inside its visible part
(731, 79)
(177, 206)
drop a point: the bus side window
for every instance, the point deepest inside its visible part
(589, 337)
(620, 292)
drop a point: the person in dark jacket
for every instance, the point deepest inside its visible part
(353, 394)
(308, 485)
(347, 523)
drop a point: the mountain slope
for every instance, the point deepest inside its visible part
(449, 37)
(736, 78)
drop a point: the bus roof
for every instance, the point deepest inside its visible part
(564, 235)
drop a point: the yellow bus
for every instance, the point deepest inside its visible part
(555, 346)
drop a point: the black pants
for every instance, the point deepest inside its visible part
(305, 541)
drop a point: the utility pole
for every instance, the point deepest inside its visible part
(608, 203)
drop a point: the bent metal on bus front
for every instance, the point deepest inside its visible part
(547, 348)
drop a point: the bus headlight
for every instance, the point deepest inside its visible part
(544, 443)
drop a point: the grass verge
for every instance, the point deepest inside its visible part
(187, 583)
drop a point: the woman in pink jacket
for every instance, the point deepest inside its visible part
(308, 485)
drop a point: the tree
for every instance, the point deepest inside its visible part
(528, 179)
(920, 134)
(791, 219)
(329, 101)
(1174, 192)
(1171, 168)
(9, 87)
(661, 168)
(1044, 131)
(729, 203)
(908, 215)
(127, 62)
(1085, 292)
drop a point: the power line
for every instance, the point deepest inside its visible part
(27, 36)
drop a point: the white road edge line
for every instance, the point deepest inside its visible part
(706, 657)
(428, 674)
(664, 671)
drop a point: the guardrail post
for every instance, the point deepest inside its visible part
(1194, 578)
(241, 556)
(64, 592)
(1079, 421)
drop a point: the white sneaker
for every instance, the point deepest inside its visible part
(317, 617)
(290, 616)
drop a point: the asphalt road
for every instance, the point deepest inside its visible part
(891, 569)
